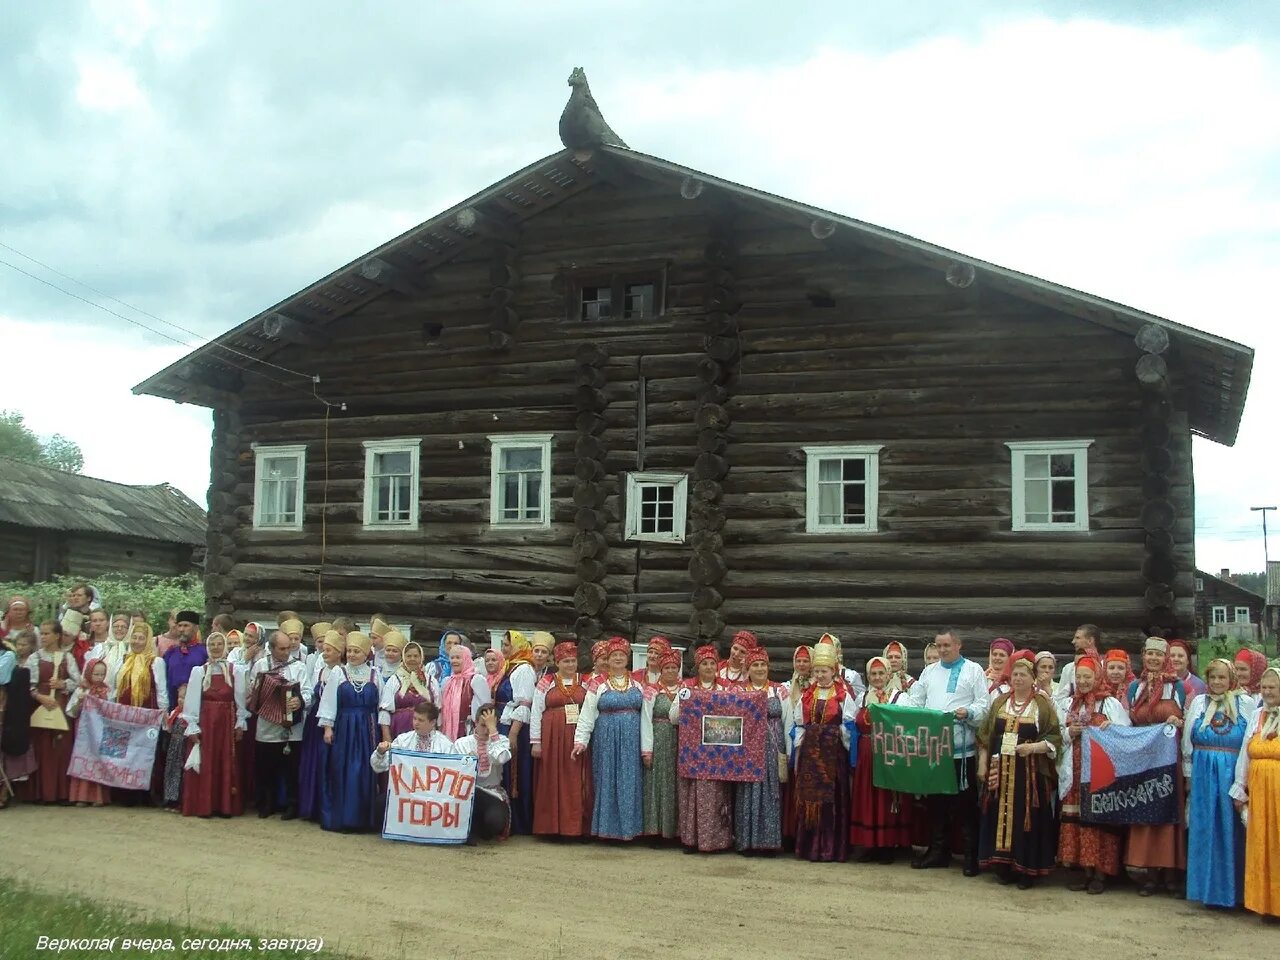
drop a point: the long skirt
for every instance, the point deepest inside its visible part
(517, 780)
(878, 818)
(661, 818)
(313, 763)
(1083, 844)
(215, 788)
(757, 806)
(86, 791)
(1262, 850)
(822, 827)
(1215, 835)
(618, 813)
(247, 760)
(562, 802)
(1019, 820)
(350, 800)
(53, 754)
(175, 755)
(706, 814)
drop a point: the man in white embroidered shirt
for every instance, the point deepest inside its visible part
(280, 697)
(957, 686)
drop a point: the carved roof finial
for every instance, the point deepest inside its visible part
(582, 126)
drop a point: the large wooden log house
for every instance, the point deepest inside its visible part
(611, 394)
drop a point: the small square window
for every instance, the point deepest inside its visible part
(520, 480)
(657, 504)
(279, 481)
(1050, 484)
(1219, 615)
(391, 483)
(1242, 615)
(1199, 585)
(638, 301)
(841, 489)
(603, 296)
(597, 303)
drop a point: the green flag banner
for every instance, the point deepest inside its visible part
(912, 749)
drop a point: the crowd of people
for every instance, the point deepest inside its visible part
(306, 730)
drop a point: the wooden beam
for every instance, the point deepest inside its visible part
(691, 188)
(386, 274)
(203, 395)
(277, 326)
(475, 221)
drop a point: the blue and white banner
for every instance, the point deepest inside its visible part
(1129, 775)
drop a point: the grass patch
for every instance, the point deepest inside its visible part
(100, 930)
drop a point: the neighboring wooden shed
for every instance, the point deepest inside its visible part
(612, 394)
(53, 522)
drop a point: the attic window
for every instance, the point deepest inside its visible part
(633, 295)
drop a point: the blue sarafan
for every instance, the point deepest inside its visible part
(1129, 775)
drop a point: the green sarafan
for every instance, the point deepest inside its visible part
(33, 923)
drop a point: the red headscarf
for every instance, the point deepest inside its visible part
(1185, 649)
(669, 659)
(1001, 643)
(1119, 656)
(1257, 664)
(6, 626)
(100, 690)
(564, 650)
(1153, 683)
(494, 679)
(599, 649)
(1086, 701)
(617, 645)
(745, 639)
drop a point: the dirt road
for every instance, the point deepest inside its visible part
(534, 900)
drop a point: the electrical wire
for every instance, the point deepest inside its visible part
(168, 323)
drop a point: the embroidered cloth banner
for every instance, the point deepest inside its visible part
(115, 744)
(912, 749)
(429, 797)
(722, 735)
(1129, 774)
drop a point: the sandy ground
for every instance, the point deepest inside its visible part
(535, 900)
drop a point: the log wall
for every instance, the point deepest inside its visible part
(793, 340)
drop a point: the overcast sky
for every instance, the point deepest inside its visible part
(202, 161)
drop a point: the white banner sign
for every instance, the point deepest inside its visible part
(429, 797)
(115, 744)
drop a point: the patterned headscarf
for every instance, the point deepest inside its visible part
(799, 683)
(415, 680)
(452, 724)
(1221, 702)
(443, 666)
(1257, 666)
(1269, 723)
(134, 684)
(521, 652)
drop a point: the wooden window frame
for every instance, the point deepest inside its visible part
(372, 448)
(1199, 585)
(1213, 616)
(869, 453)
(1018, 452)
(617, 277)
(502, 441)
(263, 452)
(680, 503)
(1248, 617)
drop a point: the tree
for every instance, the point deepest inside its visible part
(20, 442)
(1257, 582)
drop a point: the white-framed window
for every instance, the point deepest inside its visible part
(842, 488)
(1219, 615)
(1242, 615)
(657, 505)
(1050, 484)
(520, 479)
(278, 483)
(1199, 585)
(391, 483)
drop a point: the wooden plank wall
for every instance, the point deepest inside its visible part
(17, 553)
(91, 555)
(942, 377)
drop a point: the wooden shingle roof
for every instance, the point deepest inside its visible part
(49, 499)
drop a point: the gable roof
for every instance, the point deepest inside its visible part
(1232, 585)
(49, 499)
(1216, 370)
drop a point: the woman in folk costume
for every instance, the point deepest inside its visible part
(440, 666)
(879, 820)
(1212, 738)
(706, 806)
(562, 796)
(801, 677)
(649, 674)
(599, 662)
(1094, 849)
(612, 724)
(1256, 792)
(1249, 666)
(998, 667)
(661, 813)
(409, 686)
(542, 645)
(93, 683)
(313, 764)
(825, 715)
(512, 699)
(1046, 666)
(319, 631)
(142, 682)
(349, 716)
(733, 671)
(54, 676)
(895, 655)
(216, 716)
(1118, 670)
(464, 693)
(757, 806)
(1157, 851)
(1180, 658)
(17, 759)
(17, 617)
(1018, 747)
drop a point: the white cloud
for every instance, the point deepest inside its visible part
(106, 83)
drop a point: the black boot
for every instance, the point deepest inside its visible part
(290, 813)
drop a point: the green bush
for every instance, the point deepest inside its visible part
(156, 595)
